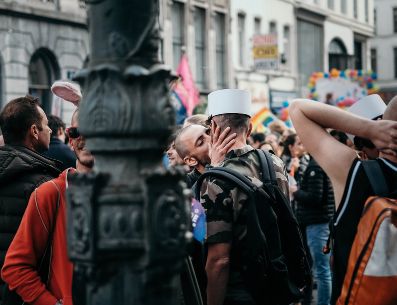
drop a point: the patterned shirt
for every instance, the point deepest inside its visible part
(224, 203)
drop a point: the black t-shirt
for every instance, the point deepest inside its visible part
(347, 217)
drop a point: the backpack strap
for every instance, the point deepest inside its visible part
(45, 261)
(267, 168)
(376, 177)
(268, 172)
(256, 238)
(228, 174)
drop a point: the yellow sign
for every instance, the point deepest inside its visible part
(265, 52)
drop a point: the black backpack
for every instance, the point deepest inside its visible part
(271, 257)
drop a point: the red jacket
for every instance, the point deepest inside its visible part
(27, 248)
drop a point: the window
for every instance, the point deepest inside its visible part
(43, 71)
(337, 55)
(257, 25)
(331, 4)
(395, 19)
(177, 15)
(241, 39)
(366, 11)
(199, 45)
(355, 12)
(358, 55)
(395, 62)
(374, 64)
(309, 59)
(375, 26)
(273, 27)
(343, 6)
(286, 44)
(220, 50)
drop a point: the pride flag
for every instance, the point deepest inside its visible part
(180, 109)
(262, 119)
(186, 89)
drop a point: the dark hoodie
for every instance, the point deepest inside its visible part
(21, 171)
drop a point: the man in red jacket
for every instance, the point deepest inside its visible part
(21, 268)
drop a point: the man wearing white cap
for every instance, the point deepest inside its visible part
(370, 107)
(350, 182)
(224, 202)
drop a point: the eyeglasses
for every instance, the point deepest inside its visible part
(73, 132)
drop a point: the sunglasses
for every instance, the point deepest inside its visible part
(73, 132)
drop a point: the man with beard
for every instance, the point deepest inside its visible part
(44, 226)
(22, 169)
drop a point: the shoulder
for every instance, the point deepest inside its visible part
(52, 188)
(214, 187)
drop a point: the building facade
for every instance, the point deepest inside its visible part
(201, 30)
(312, 36)
(45, 40)
(255, 17)
(384, 47)
(41, 41)
(333, 34)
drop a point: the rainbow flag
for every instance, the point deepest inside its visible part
(262, 119)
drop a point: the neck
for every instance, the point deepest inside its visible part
(241, 142)
(200, 168)
(81, 168)
(388, 157)
(27, 144)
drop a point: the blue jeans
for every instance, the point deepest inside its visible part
(317, 236)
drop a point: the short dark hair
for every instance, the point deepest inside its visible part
(290, 140)
(339, 135)
(238, 123)
(361, 143)
(55, 123)
(258, 137)
(17, 117)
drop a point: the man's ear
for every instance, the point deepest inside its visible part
(34, 131)
(192, 162)
(60, 131)
(249, 130)
(70, 140)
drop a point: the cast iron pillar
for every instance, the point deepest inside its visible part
(127, 221)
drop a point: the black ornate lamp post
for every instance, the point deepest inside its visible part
(127, 221)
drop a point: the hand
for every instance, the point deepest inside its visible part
(383, 134)
(220, 144)
(295, 162)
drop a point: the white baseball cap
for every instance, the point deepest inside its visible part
(229, 101)
(370, 107)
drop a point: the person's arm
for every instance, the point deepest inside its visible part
(310, 120)
(213, 196)
(20, 269)
(217, 268)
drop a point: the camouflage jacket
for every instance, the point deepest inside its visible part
(224, 202)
